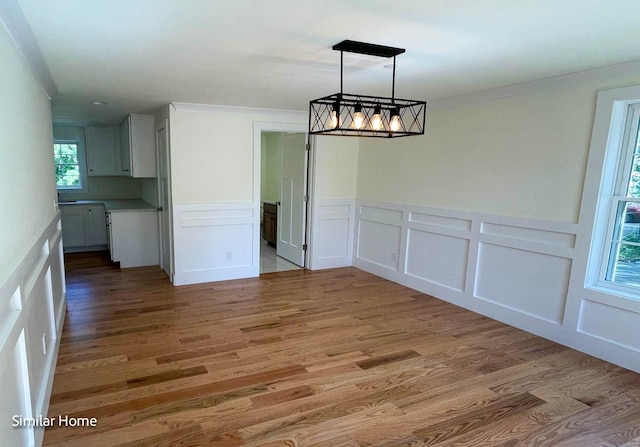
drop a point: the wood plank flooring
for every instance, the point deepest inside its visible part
(334, 358)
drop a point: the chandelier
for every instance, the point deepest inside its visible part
(345, 114)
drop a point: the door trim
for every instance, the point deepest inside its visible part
(162, 231)
(258, 128)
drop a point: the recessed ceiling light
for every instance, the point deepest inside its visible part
(98, 103)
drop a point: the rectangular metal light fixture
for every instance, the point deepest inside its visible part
(346, 114)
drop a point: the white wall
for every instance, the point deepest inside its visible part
(149, 191)
(483, 211)
(103, 188)
(27, 171)
(215, 162)
(271, 167)
(335, 183)
(32, 286)
(518, 151)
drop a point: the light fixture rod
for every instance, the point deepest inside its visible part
(393, 81)
(341, 74)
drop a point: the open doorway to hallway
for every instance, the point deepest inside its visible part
(283, 186)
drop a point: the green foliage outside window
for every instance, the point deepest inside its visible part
(630, 253)
(67, 165)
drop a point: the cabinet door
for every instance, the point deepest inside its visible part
(134, 238)
(103, 150)
(143, 146)
(73, 220)
(96, 225)
(125, 147)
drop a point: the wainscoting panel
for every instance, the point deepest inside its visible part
(440, 221)
(449, 271)
(611, 324)
(379, 243)
(516, 270)
(541, 236)
(16, 396)
(332, 243)
(528, 282)
(32, 307)
(215, 241)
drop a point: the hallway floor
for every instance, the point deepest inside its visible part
(270, 262)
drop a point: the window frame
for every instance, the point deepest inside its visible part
(82, 166)
(616, 110)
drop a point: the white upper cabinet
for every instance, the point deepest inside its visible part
(137, 146)
(103, 151)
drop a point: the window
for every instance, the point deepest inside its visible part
(67, 160)
(623, 261)
(611, 197)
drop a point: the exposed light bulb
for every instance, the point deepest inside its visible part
(334, 118)
(358, 116)
(376, 119)
(358, 119)
(394, 125)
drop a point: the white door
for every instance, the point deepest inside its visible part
(164, 199)
(292, 210)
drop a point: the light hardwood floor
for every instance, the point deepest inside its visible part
(334, 358)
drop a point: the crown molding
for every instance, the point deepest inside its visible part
(600, 74)
(14, 21)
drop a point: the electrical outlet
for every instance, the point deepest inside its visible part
(229, 255)
(44, 344)
(394, 256)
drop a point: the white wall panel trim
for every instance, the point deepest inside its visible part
(215, 241)
(333, 223)
(32, 308)
(516, 270)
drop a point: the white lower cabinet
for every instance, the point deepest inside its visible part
(96, 226)
(133, 237)
(83, 227)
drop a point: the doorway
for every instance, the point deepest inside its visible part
(283, 200)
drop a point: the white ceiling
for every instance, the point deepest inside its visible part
(140, 54)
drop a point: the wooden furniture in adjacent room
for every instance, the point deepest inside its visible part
(270, 216)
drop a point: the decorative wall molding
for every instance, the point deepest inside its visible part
(14, 21)
(32, 309)
(600, 74)
(193, 107)
(333, 229)
(216, 241)
(515, 270)
(221, 241)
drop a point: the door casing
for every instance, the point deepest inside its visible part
(258, 128)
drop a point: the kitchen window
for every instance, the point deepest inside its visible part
(69, 166)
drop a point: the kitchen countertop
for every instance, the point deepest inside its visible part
(116, 205)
